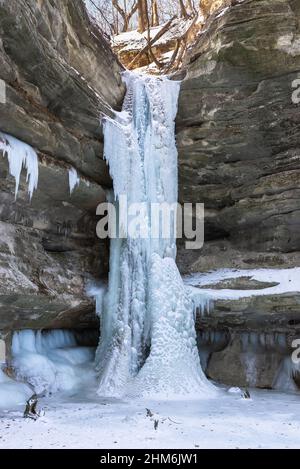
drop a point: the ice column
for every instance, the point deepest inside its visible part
(148, 339)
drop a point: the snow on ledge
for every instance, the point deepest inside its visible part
(288, 282)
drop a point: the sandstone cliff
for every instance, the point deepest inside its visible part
(238, 137)
(60, 76)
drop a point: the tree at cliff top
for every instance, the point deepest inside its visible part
(162, 30)
(118, 16)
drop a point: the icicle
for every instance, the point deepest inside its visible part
(202, 302)
(20, 154)
(282, 341)
(261, 341)
(210, 341)
(74, 179)
(97, 291)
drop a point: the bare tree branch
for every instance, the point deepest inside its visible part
(133, 10)
(111, 27)
(174, 55)
(160, 33)
(123, 13)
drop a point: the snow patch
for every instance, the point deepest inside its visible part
(269, 419)
(222, 13)
(289, 44)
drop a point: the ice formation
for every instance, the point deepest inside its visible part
(255, 343)
(258, 341)
(97, 291)
(284, 381)
(210, 341)
(12, 394)
(51, 361)
(20, 154)
(202, 303)
(148, 339)
(2, 351)
(74, 179)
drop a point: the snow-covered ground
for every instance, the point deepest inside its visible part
(268, 420)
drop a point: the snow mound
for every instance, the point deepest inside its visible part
(12, 394)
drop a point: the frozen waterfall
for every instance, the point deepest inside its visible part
(148, 339)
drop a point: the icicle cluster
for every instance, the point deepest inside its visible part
(202, 303)
(264, 340)
(20, 155)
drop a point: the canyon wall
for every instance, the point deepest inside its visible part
(60, 77)
(238, 135)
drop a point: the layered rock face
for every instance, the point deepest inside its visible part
(239, 147)
(238, 136)
(60, 77)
